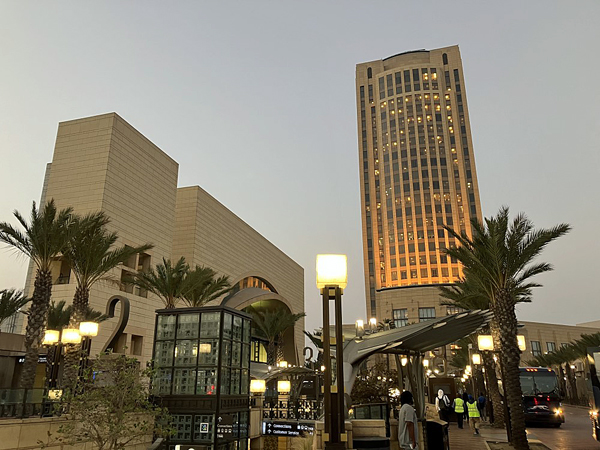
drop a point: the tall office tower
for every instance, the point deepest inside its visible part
(417, 173)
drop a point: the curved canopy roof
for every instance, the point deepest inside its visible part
(417, 338)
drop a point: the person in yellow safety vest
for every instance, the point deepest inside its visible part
(459, 408)
(474, 416)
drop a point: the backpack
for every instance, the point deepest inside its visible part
(444, 403)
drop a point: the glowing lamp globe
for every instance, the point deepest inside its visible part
(284, 386)
(485, 342)
(332, 270)
(521, 341)
(51, 337)
(257, 386)
(70, 336)
(88, 329)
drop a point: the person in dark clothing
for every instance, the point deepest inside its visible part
(459, 408)
(481, 401)
(465, 398)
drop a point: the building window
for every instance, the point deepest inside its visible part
(453, 309)
(426, 314)
(536, 348)
(550, 346)
(445, 58)
(400, 317)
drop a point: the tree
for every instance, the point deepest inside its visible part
(271, 324)
(42, 239)
(112, 409)
(201, 286)
(468, 295)
(499, 260)
(166, 281)
(59, 315)
(11, 302)
(92, 254)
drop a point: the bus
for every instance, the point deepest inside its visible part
(541, 396)
(593, 385)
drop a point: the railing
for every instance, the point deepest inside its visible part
(22, 403)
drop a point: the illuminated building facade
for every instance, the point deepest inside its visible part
(417, 171)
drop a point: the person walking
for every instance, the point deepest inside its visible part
(442, 405)
(474, 416)
(459, 408)
(481, 403)
(408, 428)
(465, 398)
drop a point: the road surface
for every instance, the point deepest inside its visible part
(574, 434)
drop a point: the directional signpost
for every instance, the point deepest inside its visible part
(292, 429)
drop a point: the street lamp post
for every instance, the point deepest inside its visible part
(332, 278)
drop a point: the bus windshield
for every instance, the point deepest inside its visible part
(535, 383)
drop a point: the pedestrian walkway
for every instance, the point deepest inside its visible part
(464, 439)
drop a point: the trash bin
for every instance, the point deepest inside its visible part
(437, 435)
(371, 443)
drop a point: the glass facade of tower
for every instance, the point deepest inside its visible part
(417, 168)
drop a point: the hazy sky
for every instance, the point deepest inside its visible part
(256, 102)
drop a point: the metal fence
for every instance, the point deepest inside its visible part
(22, 403)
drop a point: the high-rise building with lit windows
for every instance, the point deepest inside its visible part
(417, 173)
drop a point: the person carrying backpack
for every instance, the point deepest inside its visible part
(459, 408)
(442, 404)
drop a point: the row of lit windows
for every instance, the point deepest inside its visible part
(536, 347)
(400, 316)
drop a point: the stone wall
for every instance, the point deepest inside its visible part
(30, 434)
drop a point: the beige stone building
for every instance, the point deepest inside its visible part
(102, 163)
(417, 170)
(543, 338)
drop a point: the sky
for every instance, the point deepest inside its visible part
(256, 101)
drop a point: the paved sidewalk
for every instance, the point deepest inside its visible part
(464, 439)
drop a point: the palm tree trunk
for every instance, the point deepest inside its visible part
(562, 385)
(493, 391)
(504, 312)
(271, 352)
(400, 372)
(73, 351)
(572, 384)
(36, 325)
(280, 344)
(492, 379)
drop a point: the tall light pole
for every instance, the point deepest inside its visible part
(332, 278)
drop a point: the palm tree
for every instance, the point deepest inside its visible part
(271, 324)
(11, 302)
(201, 286)
(498, 260)
(167, 281)
(467, 295)
(43, 238)
(91, 254)
(59, 315)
